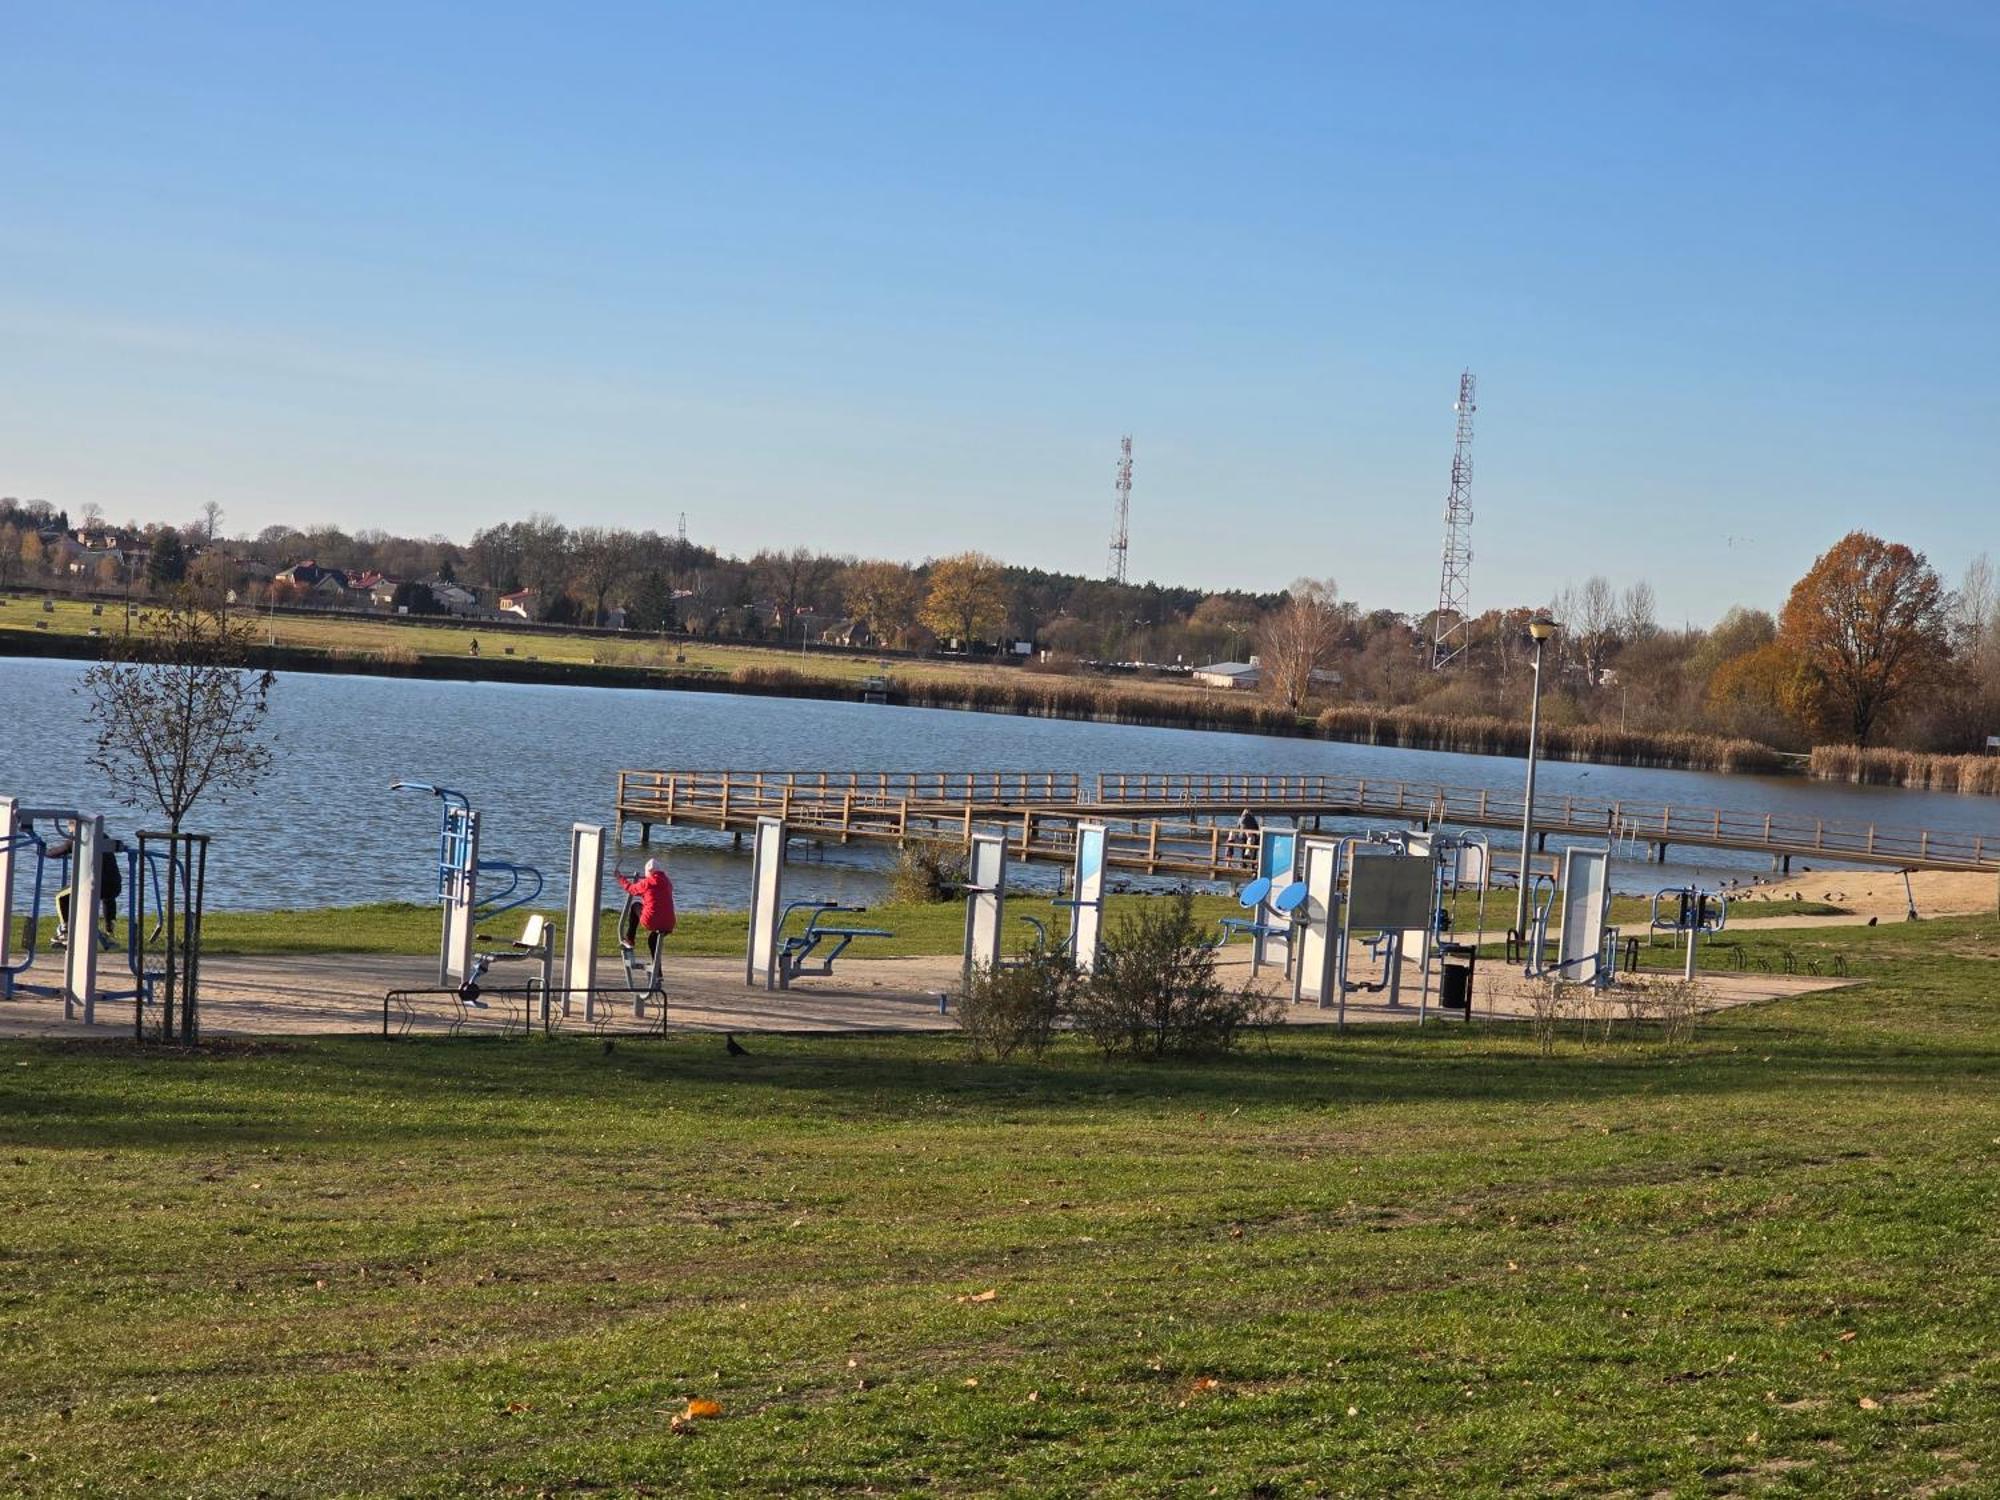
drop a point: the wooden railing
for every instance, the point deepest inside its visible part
(1191, 807)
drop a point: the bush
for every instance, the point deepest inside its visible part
(1154, 992)
(1005, 1009)
(927, 874)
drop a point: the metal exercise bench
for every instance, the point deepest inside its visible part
(1270, 917)
(795, 952)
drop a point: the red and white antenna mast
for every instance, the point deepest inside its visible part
(1121, 539)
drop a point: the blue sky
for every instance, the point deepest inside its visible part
(893, 279)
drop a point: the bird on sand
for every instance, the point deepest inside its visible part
(735, 1048)
(1873, 920)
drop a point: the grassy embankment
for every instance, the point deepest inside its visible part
(1379, 1263)
(393, 646)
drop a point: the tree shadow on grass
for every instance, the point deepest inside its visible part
(356, 1091)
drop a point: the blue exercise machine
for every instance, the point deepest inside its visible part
(1691, 913)
(796, 951)
(78, 859)
(1272, 901)
(459, 868)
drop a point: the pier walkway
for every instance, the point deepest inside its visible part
(1183, 823)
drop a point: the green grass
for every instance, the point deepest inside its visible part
(407, 928)
(1387, 1262)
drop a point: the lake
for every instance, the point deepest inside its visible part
(324, 829)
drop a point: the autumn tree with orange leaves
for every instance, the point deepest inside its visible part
(1867, 626)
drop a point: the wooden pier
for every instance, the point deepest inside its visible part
(1184, 823)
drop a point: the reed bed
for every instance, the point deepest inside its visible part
(1068, 698)
(1410, 729)
(1975, 775)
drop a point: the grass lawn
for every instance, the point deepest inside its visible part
(1379, 1263)
(407, 927)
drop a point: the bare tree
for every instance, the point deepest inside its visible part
(178, 714)
(603, 562)
(1299, 639)
(1639, 616)
(211, 519)
(1592, 623)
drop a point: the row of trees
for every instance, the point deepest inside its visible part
(1869, 646)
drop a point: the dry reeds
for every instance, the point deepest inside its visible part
(1975, 774)
(1410, 729)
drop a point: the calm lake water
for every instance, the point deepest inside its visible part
(325, 829)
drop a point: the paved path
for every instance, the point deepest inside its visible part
(343, 993)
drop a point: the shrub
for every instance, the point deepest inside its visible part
(1154, 991)
(1004, 1009)
(927, 873)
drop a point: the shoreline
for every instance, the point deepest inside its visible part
(1029, 697)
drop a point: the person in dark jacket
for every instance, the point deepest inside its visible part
(110, 884)
(651, 908)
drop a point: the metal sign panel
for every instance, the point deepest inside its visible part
(462, 894)
(10, 826)
(586, 913)
(1417, 939)
(80, 962)
(1087, 888)
(1387, 892)
(767, 868)
(1315, 976)
(1586, 900)
(986, 887)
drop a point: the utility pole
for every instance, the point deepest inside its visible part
(1451, 626)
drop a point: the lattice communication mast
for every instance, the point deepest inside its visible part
(1121, 538)
(1452, 624)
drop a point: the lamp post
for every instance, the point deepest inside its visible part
(1541, 627)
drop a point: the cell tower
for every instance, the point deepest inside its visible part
(1121, 539)
(684, 530)
(1452, 624)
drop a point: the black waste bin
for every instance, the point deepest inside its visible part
(1456, 961)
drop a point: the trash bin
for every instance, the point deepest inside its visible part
(1456, 962)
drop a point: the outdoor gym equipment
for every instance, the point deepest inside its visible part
(1692, 913)
(78, 989)
(1316, 973)
(584, 914)
(1272, 899)
(1390, 894)
(774, 958)
(796, 950)
(458, 870)
(1587, 948)
(1085, 903)
(985, 901)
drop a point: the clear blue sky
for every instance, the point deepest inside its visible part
(893, 279)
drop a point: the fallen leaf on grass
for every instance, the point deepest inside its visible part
(1207, 1383)
(986, 1296)
(1847, 1336)
(1869, 1403)
(971, 1381)
(701, 1407)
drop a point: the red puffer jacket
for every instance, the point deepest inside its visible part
(656, 900)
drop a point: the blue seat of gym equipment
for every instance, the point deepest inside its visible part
(1253, 894)
(1291, 898)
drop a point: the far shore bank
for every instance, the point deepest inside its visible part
(1021, 693)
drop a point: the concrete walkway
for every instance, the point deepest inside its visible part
(344, 993)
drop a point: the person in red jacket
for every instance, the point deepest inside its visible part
(651, 908)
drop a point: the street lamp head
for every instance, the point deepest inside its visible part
(1542, 626)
